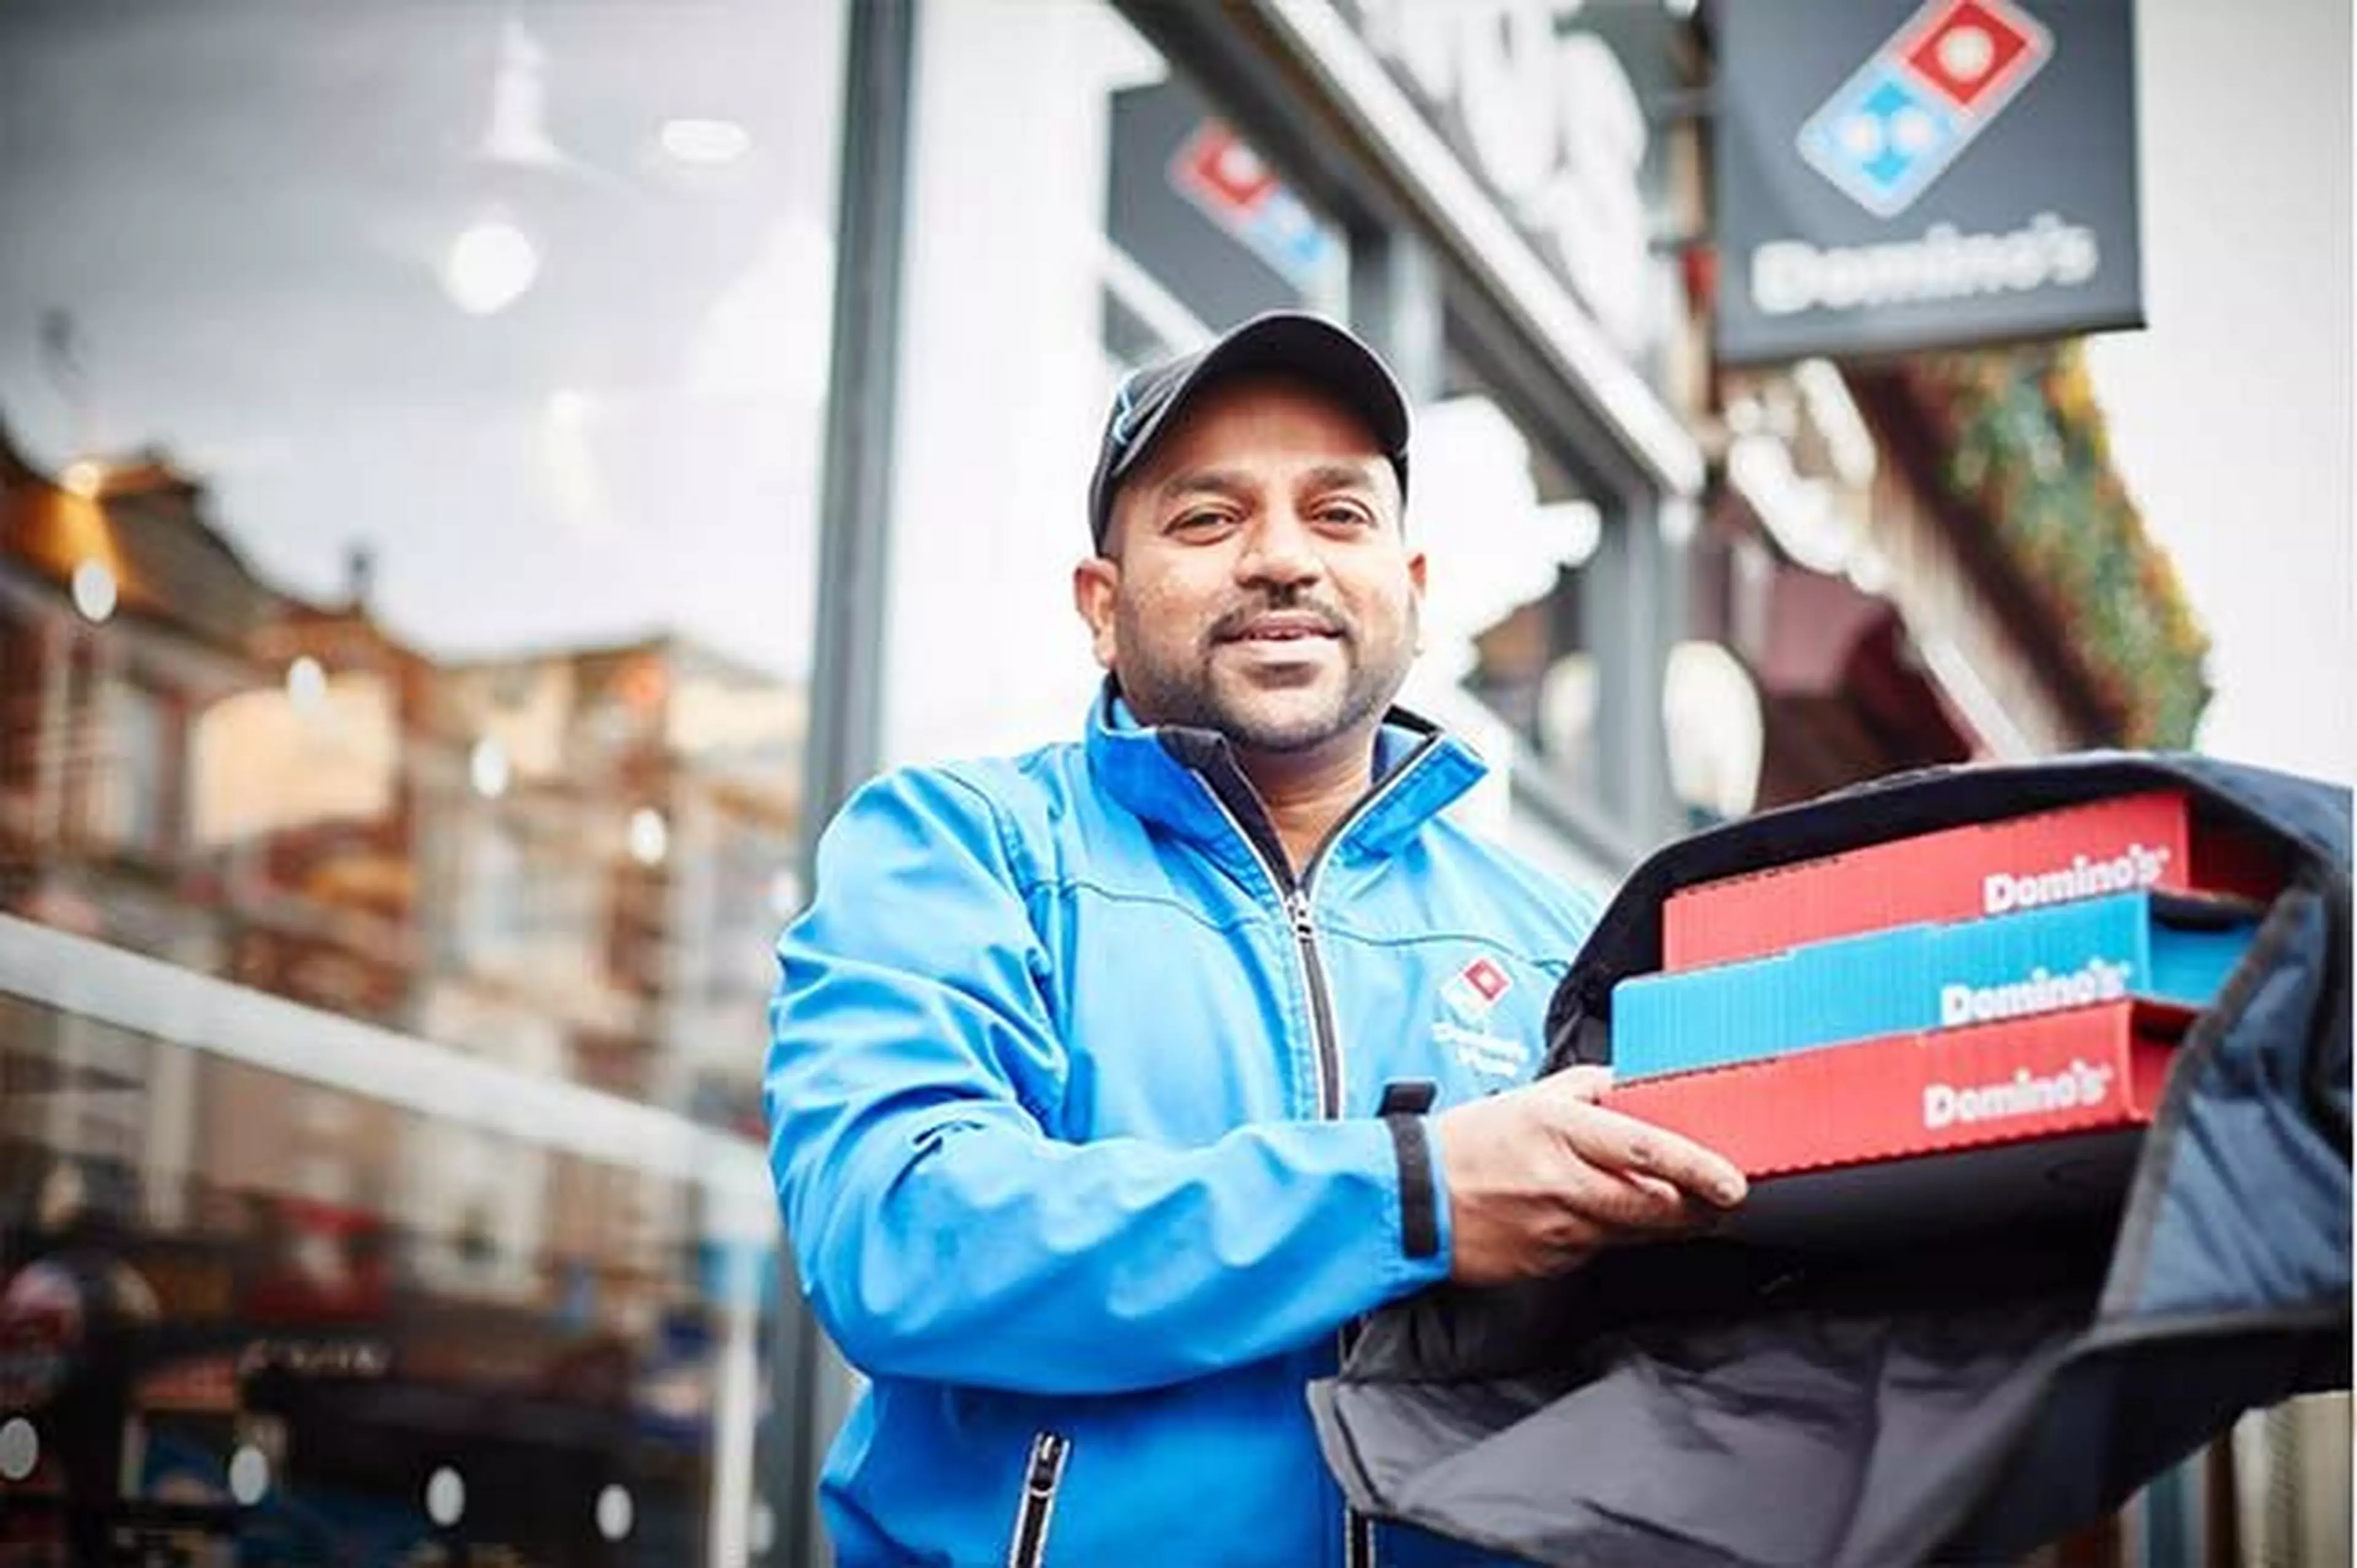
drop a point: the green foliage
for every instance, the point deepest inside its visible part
(2026, 450)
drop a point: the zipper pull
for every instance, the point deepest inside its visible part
(1046, 1465)
(1296, 904)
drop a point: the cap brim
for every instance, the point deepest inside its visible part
(1291, 344)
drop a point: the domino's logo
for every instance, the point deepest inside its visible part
(1919, 99)
(1219, 173)
(1475, 990)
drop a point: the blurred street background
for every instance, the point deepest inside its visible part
(481, 479)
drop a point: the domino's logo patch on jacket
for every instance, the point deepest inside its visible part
(1466, 1000)
(1476, 989)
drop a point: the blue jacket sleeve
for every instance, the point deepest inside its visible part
(942, 1234)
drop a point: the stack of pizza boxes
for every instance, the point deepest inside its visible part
(1970, 1026)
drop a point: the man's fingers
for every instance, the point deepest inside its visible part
(1628, 1206)
(1597, 1208)
(1622, 1144)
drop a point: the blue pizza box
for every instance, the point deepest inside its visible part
(2148, 947)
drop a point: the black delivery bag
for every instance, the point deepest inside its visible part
(1957, 1397)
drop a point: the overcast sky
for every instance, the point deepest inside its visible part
(2231, 413)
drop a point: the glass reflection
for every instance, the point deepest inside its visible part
(409, 418)
(215, 1362)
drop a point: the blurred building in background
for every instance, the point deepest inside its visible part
(1934, 561)
(422, 664)
(529, 860)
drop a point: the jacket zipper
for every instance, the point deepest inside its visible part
(1296, 894)
(1358, 1531)
(1042, 1473)
(1322, 1033)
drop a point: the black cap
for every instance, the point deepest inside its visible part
(1309, 347)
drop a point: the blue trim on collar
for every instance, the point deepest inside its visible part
(1140, 770)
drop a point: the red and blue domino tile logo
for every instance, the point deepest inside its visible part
(1219, 173)
(1920, 99)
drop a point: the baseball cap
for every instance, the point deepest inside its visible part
(1293, 342)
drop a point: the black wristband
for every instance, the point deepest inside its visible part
(1419, 1199)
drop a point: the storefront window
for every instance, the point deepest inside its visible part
(409, 430)
(1108, 213)
(273, 1351)
(1522, 532)
(1200, 232)
(132, 771)
(1146, 191)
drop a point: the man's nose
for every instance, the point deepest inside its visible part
(1281, 551)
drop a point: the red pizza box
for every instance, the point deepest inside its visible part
(1996, 1124)
(2151, 841)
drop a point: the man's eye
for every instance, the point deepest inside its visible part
(1198, 522)
(1345, 515)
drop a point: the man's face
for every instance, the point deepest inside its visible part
(1257, 581)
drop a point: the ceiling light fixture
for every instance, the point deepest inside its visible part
(706, 142)
(491, 265)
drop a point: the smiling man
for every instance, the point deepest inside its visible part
(1110, 1083)
(1254, 580)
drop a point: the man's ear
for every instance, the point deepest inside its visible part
(1416, 570)
(1096, 579)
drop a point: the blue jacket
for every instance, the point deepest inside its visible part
(1075, 1105)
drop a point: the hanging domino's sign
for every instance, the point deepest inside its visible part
(1907, 174)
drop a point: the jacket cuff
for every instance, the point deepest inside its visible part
(1419, 1186)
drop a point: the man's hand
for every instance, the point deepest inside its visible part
(1540, 1177)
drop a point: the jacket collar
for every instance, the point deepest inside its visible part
(1185, 779)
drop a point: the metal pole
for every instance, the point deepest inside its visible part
(1395, 303)
(847, 688)
(1633, 604)
(855, 511)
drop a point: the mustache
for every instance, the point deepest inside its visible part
(1233, 622)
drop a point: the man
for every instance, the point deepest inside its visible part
(1103, 1087)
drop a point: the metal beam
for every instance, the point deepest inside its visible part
(847, 688)
(871, 207)
(1395, 303)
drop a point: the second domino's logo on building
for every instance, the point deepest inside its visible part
(1920, 99)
